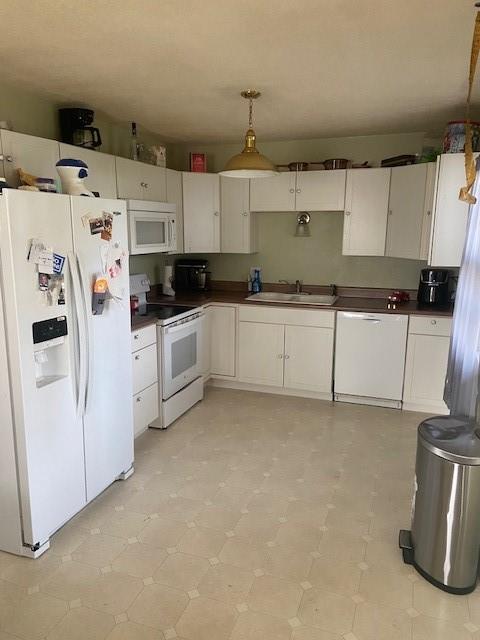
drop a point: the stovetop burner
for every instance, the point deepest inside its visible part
(162, 311)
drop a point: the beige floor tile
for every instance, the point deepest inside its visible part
(163, 532)
(275, 596)
(285, 562)
(112, 592)
(307, 512)
(206, 619)
(199, 490)
(375, 622)
(381, 585)
(70, 580)
(35, 616)
(303, 537)
(265, 503)
(93, 515)
(67, 539)
(258, 528)
(199, 541)
(134, 631)
(182, 571)
(27, 572)
(233, 498)
(430, 601)
(327, 611)
(146, 502)
(158, 606)
(227, 583)
(337, 576)
(82, 623)
(7, 636)
(310, 633)
(10, 597)
(99, 550)
(217, 518)
(253, 625)
(244, 555)
(139, 560)
(124, 524)
(343, 545)
(474, 606)
(180, 508)
(425, 628)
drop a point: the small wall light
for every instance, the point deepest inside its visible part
(303, 222)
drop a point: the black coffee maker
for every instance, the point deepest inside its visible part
(433, 288)
(191, 274)
(75, 128)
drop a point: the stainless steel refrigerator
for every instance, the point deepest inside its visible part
(66, 424)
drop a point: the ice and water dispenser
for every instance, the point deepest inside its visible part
(50, 350)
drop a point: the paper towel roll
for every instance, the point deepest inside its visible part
(167, 288)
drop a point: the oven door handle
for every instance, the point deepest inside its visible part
(185, 326)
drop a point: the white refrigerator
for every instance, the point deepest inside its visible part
(66, 424)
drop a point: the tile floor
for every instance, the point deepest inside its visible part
(255, 517)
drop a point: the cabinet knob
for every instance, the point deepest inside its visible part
(146, 185)
(287, 357)
(139, 399)
(347, 213)
(137, 357)
(216, 213)
(245, 213)
(429, 213)
(292, 190)
(433, 322)
(390, 212)
(6, 158)
(280, 356)
(136, 336)
(298, 190)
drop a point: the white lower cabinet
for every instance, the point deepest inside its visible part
(223, 321)
(286, 348)
(145, 378)
(426, 364)
(260, 353)
(308, 358)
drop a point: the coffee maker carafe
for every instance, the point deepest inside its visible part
(76, 129)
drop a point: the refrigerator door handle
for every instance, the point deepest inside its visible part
(86, 299)
(82, 338)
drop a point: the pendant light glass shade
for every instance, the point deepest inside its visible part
(250, 163)
(303, 225)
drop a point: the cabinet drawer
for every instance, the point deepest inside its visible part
(280, 315)
(144, 366)
(144, 337)
(145, 408)
(430, 325)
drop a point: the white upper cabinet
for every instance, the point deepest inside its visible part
(320, 190)
(140, 181)
(449, 213)
(366, 212)
(302, 191)
(101, 169)
(407, 210)
(175, 195)
(237, 227)
(273, 194)
(37, 156)
(201, 212)
(428, 210)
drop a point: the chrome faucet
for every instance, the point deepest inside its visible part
(298, 286)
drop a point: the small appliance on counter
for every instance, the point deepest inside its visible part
(76, 129)
(433, 288)
(167, 288)
(192, 274)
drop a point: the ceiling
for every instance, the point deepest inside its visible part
(325, 68)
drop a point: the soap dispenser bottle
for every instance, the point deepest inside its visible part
(256, 283)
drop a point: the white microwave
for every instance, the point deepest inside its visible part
(151, 227)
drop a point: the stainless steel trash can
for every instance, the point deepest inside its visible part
(444, 543)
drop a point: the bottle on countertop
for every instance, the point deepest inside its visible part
(257, 282)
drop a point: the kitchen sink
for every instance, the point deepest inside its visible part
(293, 298)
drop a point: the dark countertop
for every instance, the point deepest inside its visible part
(344, 303)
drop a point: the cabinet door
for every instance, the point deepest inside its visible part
(145, 409)
(153, 179)
(320, 190)
(37, 156)
(428, 210)
(205, 349)
(237, 222)
(308, 358)
(129, 179)
(174, 194)
(425, 371)
(201, 212)
(405, 211)
(450, 214)
(222, 332)
(101, 169)
(260, 353)
(273, 194)
(366, 212)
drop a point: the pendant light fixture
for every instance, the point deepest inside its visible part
(303, 225)
(249, 163)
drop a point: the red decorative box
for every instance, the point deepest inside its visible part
(198, 162)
